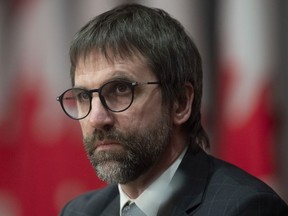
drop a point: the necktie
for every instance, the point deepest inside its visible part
(131, 209)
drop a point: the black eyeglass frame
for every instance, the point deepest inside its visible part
(131, 85)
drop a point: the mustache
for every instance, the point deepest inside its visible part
(100, 135)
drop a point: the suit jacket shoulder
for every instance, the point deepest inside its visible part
(211, 187)
(239, 193)
(104, 202)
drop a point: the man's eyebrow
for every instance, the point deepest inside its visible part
(119, 76)
(122, 75)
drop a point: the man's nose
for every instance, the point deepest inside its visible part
(99, 117)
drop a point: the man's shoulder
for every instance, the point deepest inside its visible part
(239, 192)
(226, 176)
(205, 185)
(218, 174)
(90, 201)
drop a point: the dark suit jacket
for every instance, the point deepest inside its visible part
(205, 187)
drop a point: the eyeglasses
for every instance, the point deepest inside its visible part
(116, 96)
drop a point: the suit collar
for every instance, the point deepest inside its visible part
(189, 184)
(113, 207)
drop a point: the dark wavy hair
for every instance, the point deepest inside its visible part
(133, 29)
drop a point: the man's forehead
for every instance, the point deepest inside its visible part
(111, 59)
(102, 68)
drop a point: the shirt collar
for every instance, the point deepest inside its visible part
(150, 200)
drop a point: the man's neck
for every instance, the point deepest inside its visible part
(134, 188)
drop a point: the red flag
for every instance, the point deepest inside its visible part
(43, 163)
(246, 118)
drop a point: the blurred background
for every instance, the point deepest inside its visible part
(244, 46)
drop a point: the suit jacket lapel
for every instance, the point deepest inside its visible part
(189, 184)
(113, 208)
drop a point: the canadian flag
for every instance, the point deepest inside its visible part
(246, 120)
(43, 163)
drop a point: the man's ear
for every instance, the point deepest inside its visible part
(182, 109)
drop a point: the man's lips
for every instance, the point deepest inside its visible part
(106, 145)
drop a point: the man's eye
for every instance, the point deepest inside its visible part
(83, 96)
(116, 89)
(121, 88)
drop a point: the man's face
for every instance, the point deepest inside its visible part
(122, 146)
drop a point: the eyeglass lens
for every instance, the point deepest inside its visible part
(115, 96)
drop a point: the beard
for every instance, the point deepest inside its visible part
(141, 150)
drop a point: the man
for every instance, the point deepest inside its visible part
(137, 88)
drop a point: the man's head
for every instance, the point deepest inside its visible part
(168, 50)
(137, 44)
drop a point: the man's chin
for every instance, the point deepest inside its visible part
(113, 172)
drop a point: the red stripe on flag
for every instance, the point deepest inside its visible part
(249, 144)
(41, 175)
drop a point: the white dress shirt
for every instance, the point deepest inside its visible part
(151, 198)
